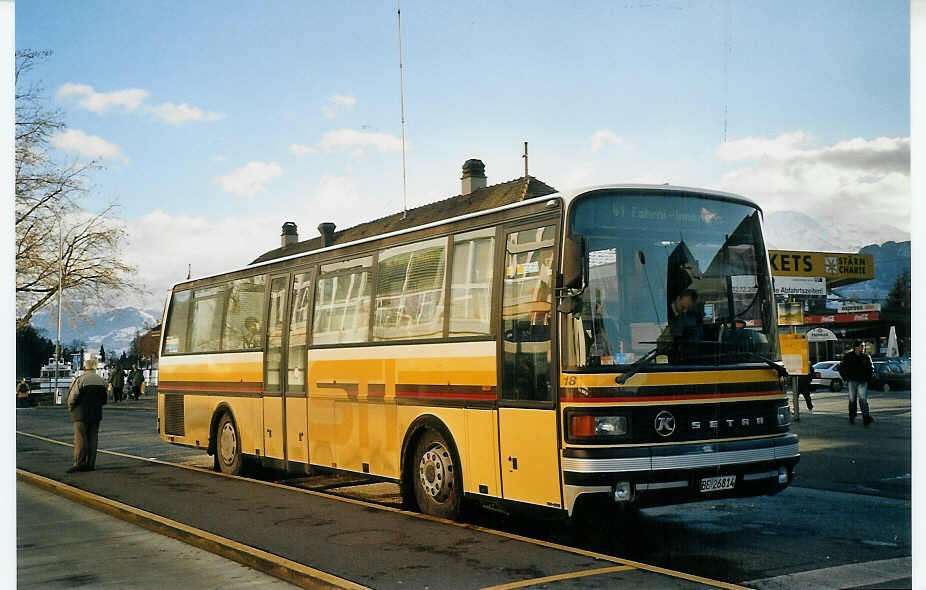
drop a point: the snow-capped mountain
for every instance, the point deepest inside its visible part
(891, 259)
(114, 329)
(792, 230)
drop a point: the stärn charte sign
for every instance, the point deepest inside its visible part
(837, 267)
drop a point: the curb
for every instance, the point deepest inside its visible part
(262, 561)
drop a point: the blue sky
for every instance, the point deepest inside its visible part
(217, 121)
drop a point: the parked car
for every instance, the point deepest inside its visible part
(826, 374)
(889, 375)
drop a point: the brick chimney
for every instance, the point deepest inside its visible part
(290, 234)
(474, 176)
(326, 230)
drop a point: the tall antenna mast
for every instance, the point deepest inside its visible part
(402, 95)
(525, 159)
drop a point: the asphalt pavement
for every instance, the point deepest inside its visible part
(355, 542)
(64, 544)
(844, 523)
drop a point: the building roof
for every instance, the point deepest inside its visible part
(481, 199)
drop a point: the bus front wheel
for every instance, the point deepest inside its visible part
(228, 446)
(437, 479)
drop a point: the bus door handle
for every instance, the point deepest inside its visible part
(270, 433)
(514, 463)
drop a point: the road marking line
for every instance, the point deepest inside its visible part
(512, 536)
(263, 561)
(841, 576)
(558, 577)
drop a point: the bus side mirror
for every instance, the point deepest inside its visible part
(575, 271)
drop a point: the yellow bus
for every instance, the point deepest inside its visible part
(612, 344)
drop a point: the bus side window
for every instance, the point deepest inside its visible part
(471, 286)
(244, 315)
(175, 338)
(208, 309)
(410, 291)
(342, 302)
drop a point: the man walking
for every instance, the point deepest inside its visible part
(117, 382)
(136, 378)
(85, 401)
(856, 369)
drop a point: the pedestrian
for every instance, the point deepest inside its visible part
(22, 393)
(856, 370)
(803, 387)
(136, 378)
(86, 398)
(117, 382)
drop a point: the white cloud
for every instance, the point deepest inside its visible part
(338, 102)
(748, 148)
(843, 182)
(578, 174)
(250, 179)
(99, 102)
(161, 245)
(343, 99)
(175, 114)
(340, 199)
(89, 146)
(299, 149)
(351, 140)
(131, 100)
(605, 136)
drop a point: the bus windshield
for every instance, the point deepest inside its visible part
(673, 279)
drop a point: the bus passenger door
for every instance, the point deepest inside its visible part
(274, 370)
(294, 390)
(528, 439)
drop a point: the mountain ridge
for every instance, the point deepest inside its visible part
(114, 329)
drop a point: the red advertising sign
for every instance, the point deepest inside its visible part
(837, 318)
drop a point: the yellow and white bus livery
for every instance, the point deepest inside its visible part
(511, 345)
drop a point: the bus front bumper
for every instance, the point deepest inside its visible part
(672, 474)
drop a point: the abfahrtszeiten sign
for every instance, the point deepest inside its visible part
(811, 286)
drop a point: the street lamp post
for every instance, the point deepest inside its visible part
(58, 333)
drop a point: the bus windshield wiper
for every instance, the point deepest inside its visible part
(782, 372)
(637, 366)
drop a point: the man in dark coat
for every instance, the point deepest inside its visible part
(117, 381)
(856, 370)
(136, 378)
(85, 401)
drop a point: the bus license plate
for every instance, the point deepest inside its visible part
(715, 484)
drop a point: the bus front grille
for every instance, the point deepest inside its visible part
(173, 415)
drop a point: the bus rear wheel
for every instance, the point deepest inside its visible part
(228, 446)
(438, 482)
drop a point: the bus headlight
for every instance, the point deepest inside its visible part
(784, 415)
(598, 428)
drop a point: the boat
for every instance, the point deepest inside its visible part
(43, 388)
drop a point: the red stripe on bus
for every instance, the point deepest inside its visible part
(479, 396)
(165, 388)
(660, 398)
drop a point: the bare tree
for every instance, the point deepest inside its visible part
(53, 230)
